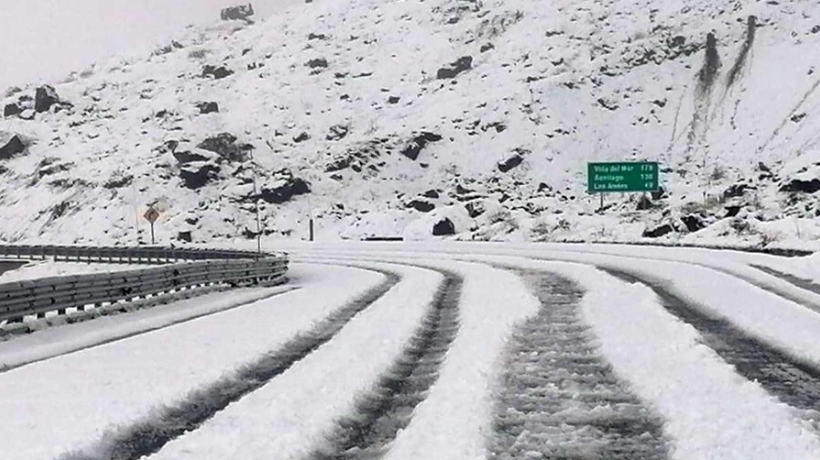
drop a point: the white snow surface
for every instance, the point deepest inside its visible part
(699, 276)
(289, 416)
(49, 268)
(559, 83)
(67, 338)
(69, 402)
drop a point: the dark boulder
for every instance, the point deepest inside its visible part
(319, 63)
(301, 138)
(418, 143)
(510, 163)
(208, 107)
(421, 205)
(45, 97)
(198, 174)
(452, 70)
(801, 186)
(393, 100)
(444, 227)
(12, 110)
(11, 145)
(217, 73)
(237, 13)
(693, 223)
(292, 186)
(226, 146)
(658, 231)
(432, 194)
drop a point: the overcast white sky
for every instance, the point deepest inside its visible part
(47, 39)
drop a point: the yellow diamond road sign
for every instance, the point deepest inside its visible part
(151, 215)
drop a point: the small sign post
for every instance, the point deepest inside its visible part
(151, 215)
(622, 177)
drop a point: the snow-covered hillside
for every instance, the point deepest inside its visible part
(386, 118)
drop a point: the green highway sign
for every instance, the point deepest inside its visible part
(622, 177)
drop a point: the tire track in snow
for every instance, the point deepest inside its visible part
(148, 436)
(559, 398)
(388, 408)
(794, 382)
(791, 279)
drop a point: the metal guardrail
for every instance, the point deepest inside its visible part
(38, 297)
(130, 255)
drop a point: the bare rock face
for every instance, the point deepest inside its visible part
(238, 13)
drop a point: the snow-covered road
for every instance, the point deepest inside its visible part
(447, 351)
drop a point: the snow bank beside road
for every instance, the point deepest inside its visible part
(69, 402)
(68, 338)
(47, 268)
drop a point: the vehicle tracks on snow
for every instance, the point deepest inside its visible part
(794, 382)
(791, 279)
(148, 436)
(388, 408)
(559, 398)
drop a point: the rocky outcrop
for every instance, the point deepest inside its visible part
(284, 188)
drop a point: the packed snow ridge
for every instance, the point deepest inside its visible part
(420, 119)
